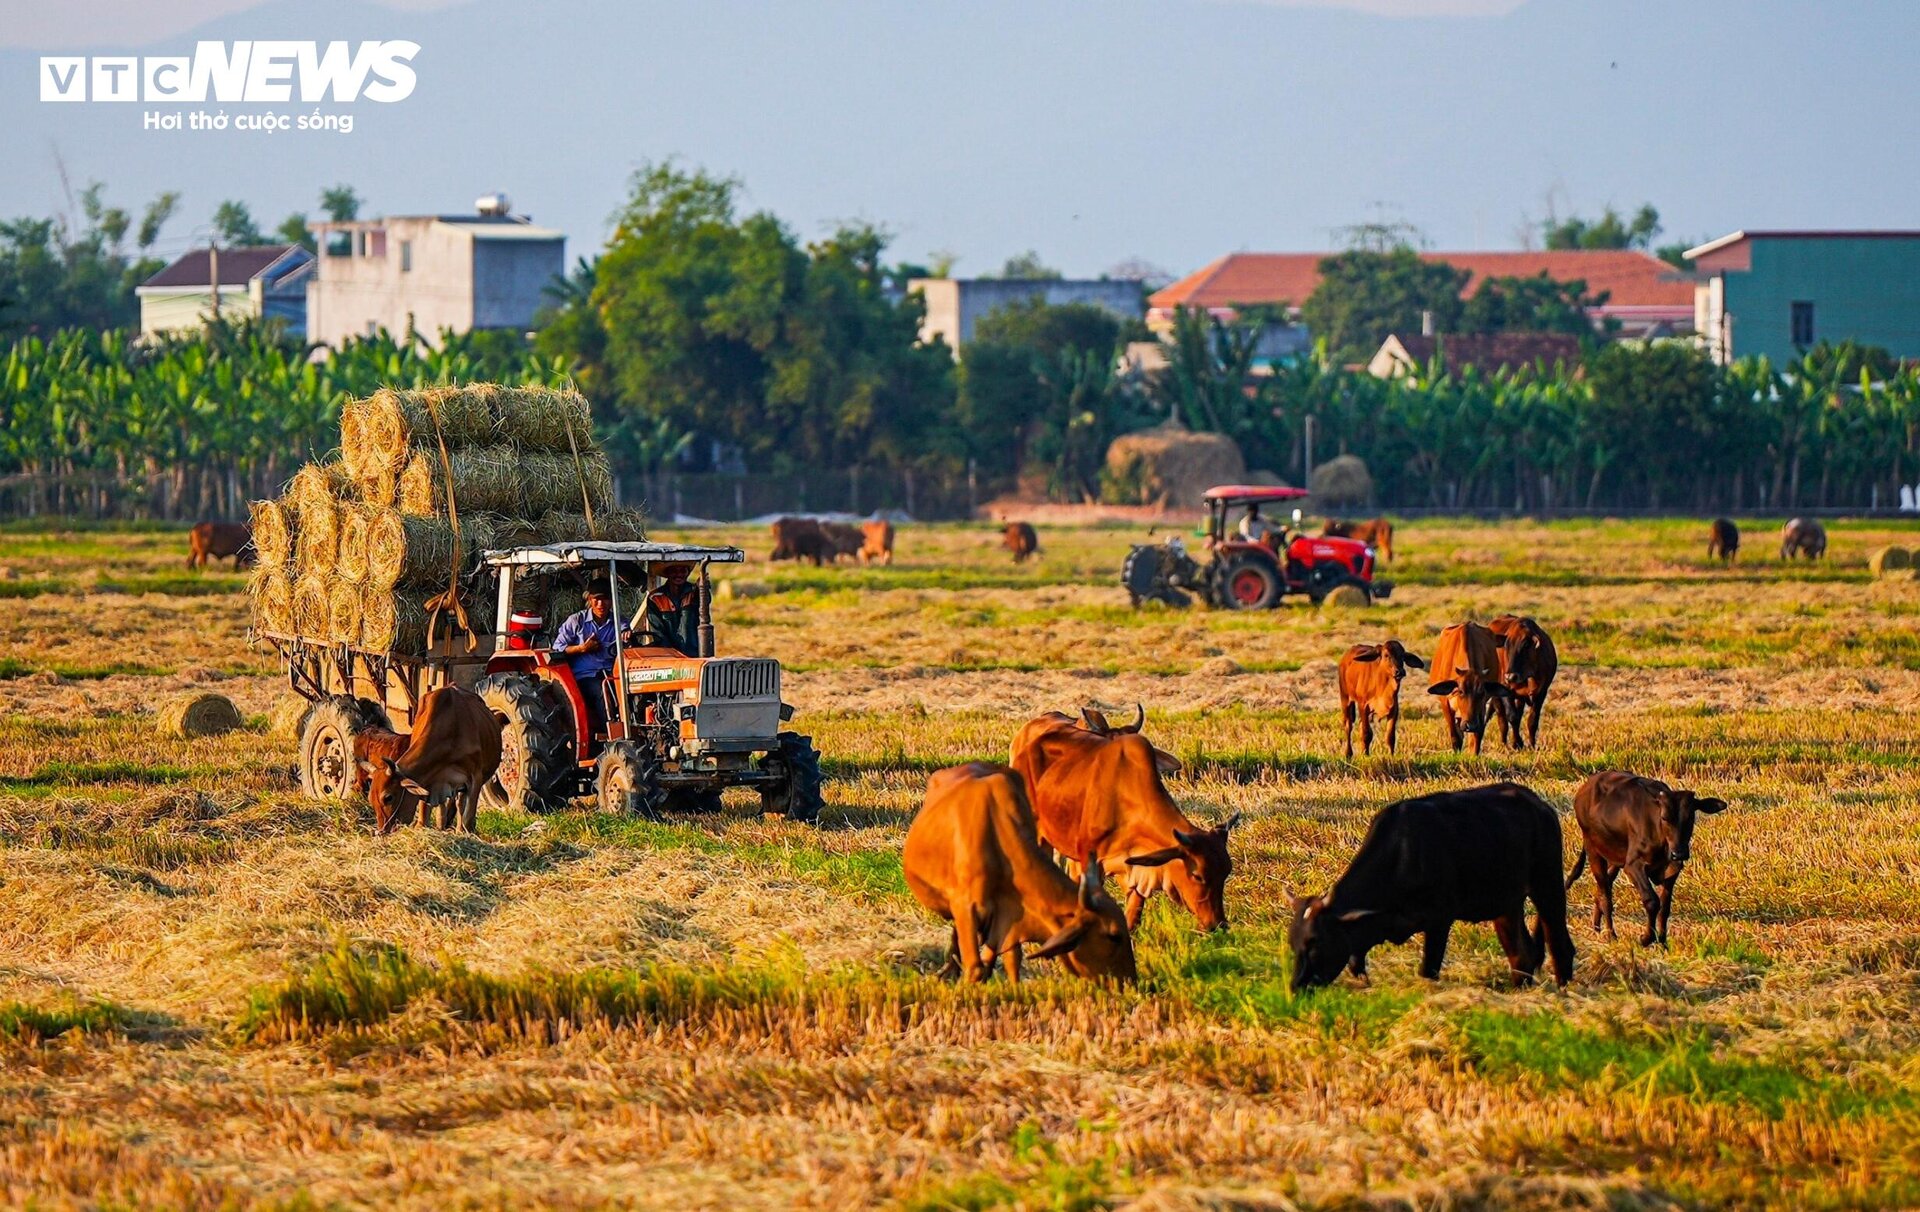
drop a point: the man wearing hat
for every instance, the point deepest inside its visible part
(587, 641)
(673, 612)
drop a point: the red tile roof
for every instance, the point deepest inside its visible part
(1631, 279)
(238, 266)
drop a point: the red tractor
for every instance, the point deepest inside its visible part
(1253, 561)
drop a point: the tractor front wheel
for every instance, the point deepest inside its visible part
(1249, 583)
(797, 795)
(536, 745)
(627, 781)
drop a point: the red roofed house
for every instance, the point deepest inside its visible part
(1643, 293)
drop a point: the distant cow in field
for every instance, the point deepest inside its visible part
(842, 540)
(1640, 826)
(973, 857)
(1021, 539)
(453, 751)
(1096, 789)
(1370, 677)
(1454, 856)
(1465, 673)
(209, 541)
(1528, 665)
(800, 539)
(1377, 534)
(1803, 536)
(876, 546)
(1723, 541)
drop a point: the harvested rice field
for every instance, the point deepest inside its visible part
(216, 993)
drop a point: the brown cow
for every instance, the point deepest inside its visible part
(1370, 689)
(1021, 539)
(842, 540)
(209, 541)
(973, 857)
(1378, 534)
(1097, 790)
(876, 541)
(1465, 673)
(452, 753)
(1640, 826)
(1803, 536)
(1528, 664)
(1723, 540)
(800, 539)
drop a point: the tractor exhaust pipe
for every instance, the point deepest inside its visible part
(706, 611)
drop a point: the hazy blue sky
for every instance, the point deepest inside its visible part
(1090, 130)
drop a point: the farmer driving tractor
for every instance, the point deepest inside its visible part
(672, 616)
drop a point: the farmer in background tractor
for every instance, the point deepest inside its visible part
(1255, 529)
(587, 641)
(672, 617)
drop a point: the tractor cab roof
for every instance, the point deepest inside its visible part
(573, 555)
(1253, 494)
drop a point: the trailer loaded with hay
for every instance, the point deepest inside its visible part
(444, 547)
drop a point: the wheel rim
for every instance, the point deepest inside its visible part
(1247, 587)
(508, 772)
(330, 773)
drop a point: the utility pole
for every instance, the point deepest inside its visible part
(213, 275)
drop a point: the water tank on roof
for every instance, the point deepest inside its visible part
(492, 204)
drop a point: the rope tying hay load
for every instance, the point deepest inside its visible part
(272, 532)
(197, 715)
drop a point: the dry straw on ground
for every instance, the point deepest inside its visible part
(197, 715)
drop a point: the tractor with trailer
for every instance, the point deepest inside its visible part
(678, 729)
(1240, 573)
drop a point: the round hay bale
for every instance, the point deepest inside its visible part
(1343, 480)
(196, 715)
(393, 424)
(1346, 597)
(552, 483)
(270, 590)
(1173, 464)
(287, 718)
(317, 545)
(272, 532)
(1888, 559)
(513, 532)
(610, 526)
(537, 418)
(343, 612)
(485, 478)
(403, 549)
(311, 609)
(351, 565)
(319, 486)
(393, 621)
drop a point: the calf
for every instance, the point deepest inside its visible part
(1803, 536)
(1378, 534)
(1021, 539)
(1528, 664)
(1723, 540)
(1097, 790)
(1466, 675)
(1640, 826)
(1370, 677)
(973, 857)
(209, 541)
(876, 542)
(1454, 856)
(453, 751)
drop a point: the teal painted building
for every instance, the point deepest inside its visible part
(1780, 292)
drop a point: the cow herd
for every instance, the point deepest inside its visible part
(820, 542)
(1501, 671)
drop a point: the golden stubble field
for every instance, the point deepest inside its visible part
(216, 993)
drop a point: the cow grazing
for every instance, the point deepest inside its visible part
(1723, 540)
(973, 857)
(1021, 539)
(1640, 826)
(1370, 676)
(1454, 856)
(842, 540)
(1465, 673)
(1528, 664)
(209, 541)
(1096, 789)
(1803, 536)
(1377, 534)
(876, 545)
(453, 751)
(800, 539)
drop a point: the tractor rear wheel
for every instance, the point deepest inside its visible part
(1248, 583)
(627, 781)
(536, 745)
(797, 795)
(328, 768)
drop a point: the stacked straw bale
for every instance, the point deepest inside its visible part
(354, 549)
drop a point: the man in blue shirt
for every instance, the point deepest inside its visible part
(588, 641)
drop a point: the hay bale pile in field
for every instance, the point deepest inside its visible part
(354, 549)
(1342, 480)
(1174, 465)
(196, 715)
(1889, 560)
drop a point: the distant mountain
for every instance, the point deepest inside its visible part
(1090, 130)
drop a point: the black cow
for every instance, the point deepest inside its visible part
(1455, 856)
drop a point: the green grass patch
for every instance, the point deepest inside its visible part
(174, 584)
(80, 774)
(31, 1023)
